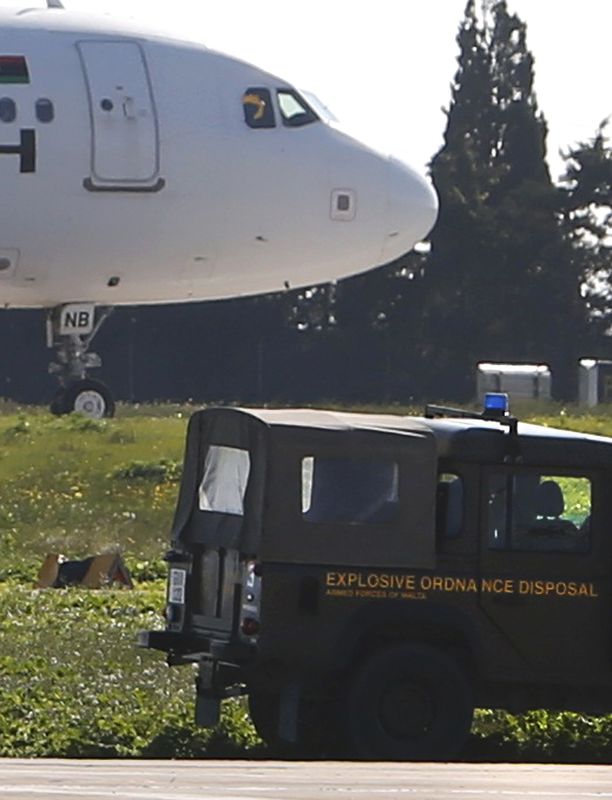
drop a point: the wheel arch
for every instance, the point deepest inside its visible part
(434, 624)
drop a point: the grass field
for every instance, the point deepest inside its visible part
(82, 486)
(72, 683)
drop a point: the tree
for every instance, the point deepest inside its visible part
(355, 330)
(587, 227)
(463, 174)
(501, 284)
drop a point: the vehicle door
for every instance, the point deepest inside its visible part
(349, 519)
(545, 567)
(217, 519)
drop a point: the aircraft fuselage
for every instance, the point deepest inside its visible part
(136, 169)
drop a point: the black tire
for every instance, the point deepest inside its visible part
(409, 702)
(88, 397)
(57, 404)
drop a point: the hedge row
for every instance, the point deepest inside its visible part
(73, 684)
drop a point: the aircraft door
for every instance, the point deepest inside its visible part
(124, 128)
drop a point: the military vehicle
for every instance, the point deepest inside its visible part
(368, 580)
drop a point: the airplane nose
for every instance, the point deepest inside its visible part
(412, 208)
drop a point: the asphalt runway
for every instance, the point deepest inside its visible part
(284, 780)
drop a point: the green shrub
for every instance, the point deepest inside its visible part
(540, 735)
(162, 471)
(20, 428)
(73, 683)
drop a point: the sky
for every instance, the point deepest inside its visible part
(384, 68)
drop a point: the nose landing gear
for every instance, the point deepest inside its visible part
(70, 331)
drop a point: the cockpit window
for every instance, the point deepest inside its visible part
(258, 109)
(295, 111)
(320, 109)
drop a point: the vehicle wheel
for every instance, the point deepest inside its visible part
(57, 404)
(409, 702)
(90, 398)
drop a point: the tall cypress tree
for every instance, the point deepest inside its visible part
(501, 285)
(463, 173)
(548, 314)
(587, 227)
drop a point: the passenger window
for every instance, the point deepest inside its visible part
(258, 109)
(44, 110)
(355, 491)
(224, 482)
(295, 111)
(537, 511)
(449, 506)
(8, 110)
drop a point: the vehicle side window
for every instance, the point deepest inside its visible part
(449, 506)
(530, 510)
(224, 480)
(295, 111)
(258, 108)
(355, 491)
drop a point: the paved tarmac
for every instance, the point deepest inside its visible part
(285, 780)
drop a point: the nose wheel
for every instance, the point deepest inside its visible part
(87, 397)
(70, 331)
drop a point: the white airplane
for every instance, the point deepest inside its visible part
(136, 168)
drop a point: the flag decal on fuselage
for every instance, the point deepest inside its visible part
(14, 69)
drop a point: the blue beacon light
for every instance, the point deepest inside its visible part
(496, 404)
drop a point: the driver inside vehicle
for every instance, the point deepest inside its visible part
(541, 518)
